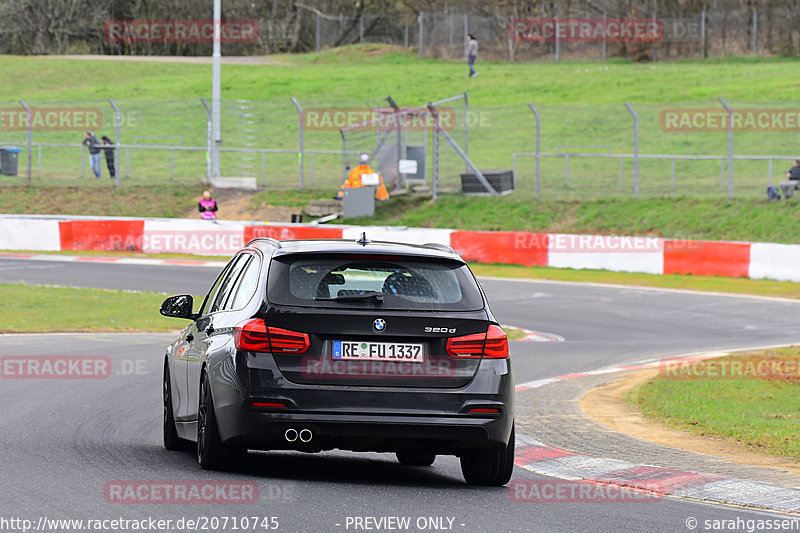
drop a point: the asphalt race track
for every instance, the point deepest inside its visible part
(65, 442)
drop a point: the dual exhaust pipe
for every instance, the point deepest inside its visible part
(305, 435)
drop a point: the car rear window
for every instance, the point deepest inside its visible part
(402, 282)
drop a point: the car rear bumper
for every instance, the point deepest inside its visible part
(370, 418)
(366, 432)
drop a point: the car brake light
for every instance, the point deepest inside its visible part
(489, 410)
(268, 404)
(493, 345)
(255, 336)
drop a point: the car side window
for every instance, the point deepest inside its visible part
(204, 310)
(248, 282)
(229, 282)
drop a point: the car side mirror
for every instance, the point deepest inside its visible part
(179, 307)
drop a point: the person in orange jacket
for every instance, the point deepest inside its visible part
(357, 177)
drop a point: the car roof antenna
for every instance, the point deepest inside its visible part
(363, 241)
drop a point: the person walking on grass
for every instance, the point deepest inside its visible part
(472, 54)
(90, 141)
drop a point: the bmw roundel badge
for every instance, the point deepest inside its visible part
(379, 325)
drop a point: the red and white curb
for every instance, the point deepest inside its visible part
(644, 365)
(555, 462)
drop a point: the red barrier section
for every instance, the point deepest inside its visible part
(291, 232)
(101, 235)
(707, 258)
(512, 247)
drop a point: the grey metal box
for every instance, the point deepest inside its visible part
(358, 202)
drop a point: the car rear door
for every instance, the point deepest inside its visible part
(204, 326)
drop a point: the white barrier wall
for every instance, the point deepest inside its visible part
(29, 234)
(775, 261)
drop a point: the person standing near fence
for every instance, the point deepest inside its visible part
(207, 206)
(90, 140)
(472, 54)
(108, 148)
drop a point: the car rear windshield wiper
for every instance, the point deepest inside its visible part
(369, 295)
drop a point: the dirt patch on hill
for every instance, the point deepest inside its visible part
(239, 205)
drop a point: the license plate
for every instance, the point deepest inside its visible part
(377, 351)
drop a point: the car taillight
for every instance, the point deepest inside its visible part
(493, 345)
(255, 336)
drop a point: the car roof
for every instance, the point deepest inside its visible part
(432, 250)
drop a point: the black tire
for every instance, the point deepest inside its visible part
(489, 467)
(210, 451)
(416, 458)
(171, 439)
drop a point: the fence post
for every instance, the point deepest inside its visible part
(208, 139)
(635, 150)
(703, 34)
(216, 88)
(405, 30)
(510, 42)
(116, 141)
(451, 28)
(755, 30)
(673, 174)
(421, 24)
(301, 152)
(654, 42)
(466, 127)
(770, 173)
(605, 39)
(466, 32)
(317, 32)
(361, 29)
(536, 149)
(730, 146)
(435, 162)
(30, 136)
(558, 42)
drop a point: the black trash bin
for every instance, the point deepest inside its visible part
(9, 158)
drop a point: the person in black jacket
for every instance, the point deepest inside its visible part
(90, 140)
(793, 180)
(108, 148)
